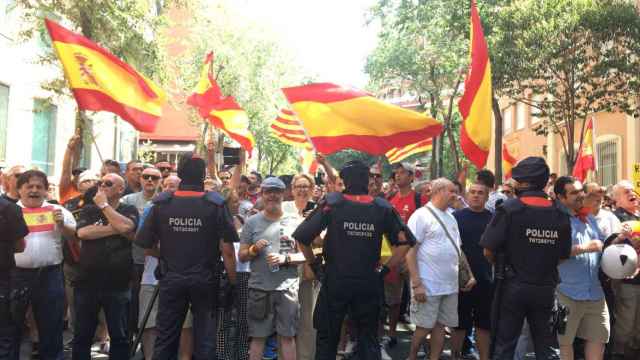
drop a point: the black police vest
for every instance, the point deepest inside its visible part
(189, 230)
(354, 239)
(537, 235)
(7, 247)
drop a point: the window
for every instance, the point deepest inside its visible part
(507, 120)
(43, 135)
(4, 120)
(521, 116)
(607, 157)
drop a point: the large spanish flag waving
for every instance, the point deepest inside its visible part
(398, 154)
(475, 104)
(102, 82)
(222, 112)
(508, 162)
(337, 118)
(585, 161)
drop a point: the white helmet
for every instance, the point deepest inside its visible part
(619, 261)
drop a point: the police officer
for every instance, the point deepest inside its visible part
(527, 238)
(13, 229)
(352, 279)
(188, 226)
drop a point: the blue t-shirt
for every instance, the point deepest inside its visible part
(471, 225)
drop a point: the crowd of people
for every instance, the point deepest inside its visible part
(79, 265)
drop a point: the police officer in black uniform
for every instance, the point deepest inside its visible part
(13, 230)
(188, 226)
(352, 279)
(527, 238)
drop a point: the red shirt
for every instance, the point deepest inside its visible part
(406, 205)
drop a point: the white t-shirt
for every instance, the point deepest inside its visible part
(148, 276)
(437, 258)
(44, 242)
(607, 222)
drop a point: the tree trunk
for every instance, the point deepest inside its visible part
(497, 114)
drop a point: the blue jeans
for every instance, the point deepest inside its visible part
(44, 290)
(116, 309)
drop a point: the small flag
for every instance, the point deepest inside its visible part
(508, 162)
(398, 154)
(337, 118)
(585, 161)
(222, 112)
(475, 104)
(39, 219)
(102, 82)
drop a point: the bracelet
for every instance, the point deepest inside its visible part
(252, 250)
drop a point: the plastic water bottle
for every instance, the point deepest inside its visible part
(276, 267)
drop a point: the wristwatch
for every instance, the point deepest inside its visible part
(102, 206)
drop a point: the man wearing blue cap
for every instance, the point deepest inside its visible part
(527, 238)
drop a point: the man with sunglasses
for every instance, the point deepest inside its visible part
(165, 168)
(149, 181)
(105, 229)
(10, 183)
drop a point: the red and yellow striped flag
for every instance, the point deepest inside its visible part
(39, 219)
(337, 118)
(475, 104)
(222, 112)
(102, 82)
(508, 162)
(398, 154)
(585, 161)
(287, 128)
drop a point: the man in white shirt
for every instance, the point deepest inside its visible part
(433, 267)
(38, 274)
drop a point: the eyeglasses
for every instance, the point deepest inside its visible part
(377, 176)
(164, 168)
(106, 183)
(152, 177)
(302, 187)
(225, 178)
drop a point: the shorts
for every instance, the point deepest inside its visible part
(474, 307)
(146, 293)
(269, 311)
(588, 320)
(441, 309)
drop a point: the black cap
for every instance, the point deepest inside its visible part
(192, 170)
(533, 170)
(355, 175)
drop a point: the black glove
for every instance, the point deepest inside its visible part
(383, 271)
(317, 268)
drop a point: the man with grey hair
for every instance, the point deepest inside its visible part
(627, 300)
(433, 269)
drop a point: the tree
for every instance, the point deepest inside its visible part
(568, 59)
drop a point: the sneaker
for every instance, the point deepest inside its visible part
(350, 348)
(104, 348)
(383, 353)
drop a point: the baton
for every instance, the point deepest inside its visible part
(143, 323)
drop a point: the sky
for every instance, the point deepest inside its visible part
(328, 38)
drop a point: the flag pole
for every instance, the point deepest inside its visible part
(593, 147)
(84, 118)
(306, 134)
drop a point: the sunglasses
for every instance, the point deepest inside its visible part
(377, 176)
(152, 177)
(164, 168)
(106, 183)
(225, 178)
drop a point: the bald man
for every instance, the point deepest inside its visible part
(105, 230)
(9, 182)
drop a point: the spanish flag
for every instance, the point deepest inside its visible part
(398, 154)
(222, 112)
(508, 162)
(337, 118)
(475, 104)
(287, 128)
(102, 82)
(39, 219)
(585, 161)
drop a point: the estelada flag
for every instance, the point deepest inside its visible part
(39, 219)
(287, 128)
(585, 161)
(475, 104)
(102, 82)
(398, 154)
(337, 118)
(508, 162)
(221, 111)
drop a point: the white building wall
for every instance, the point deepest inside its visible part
(19, 70)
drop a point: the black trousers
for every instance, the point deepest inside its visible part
(535, 303)
(177, 292)
(8, 328)
(362, 300)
